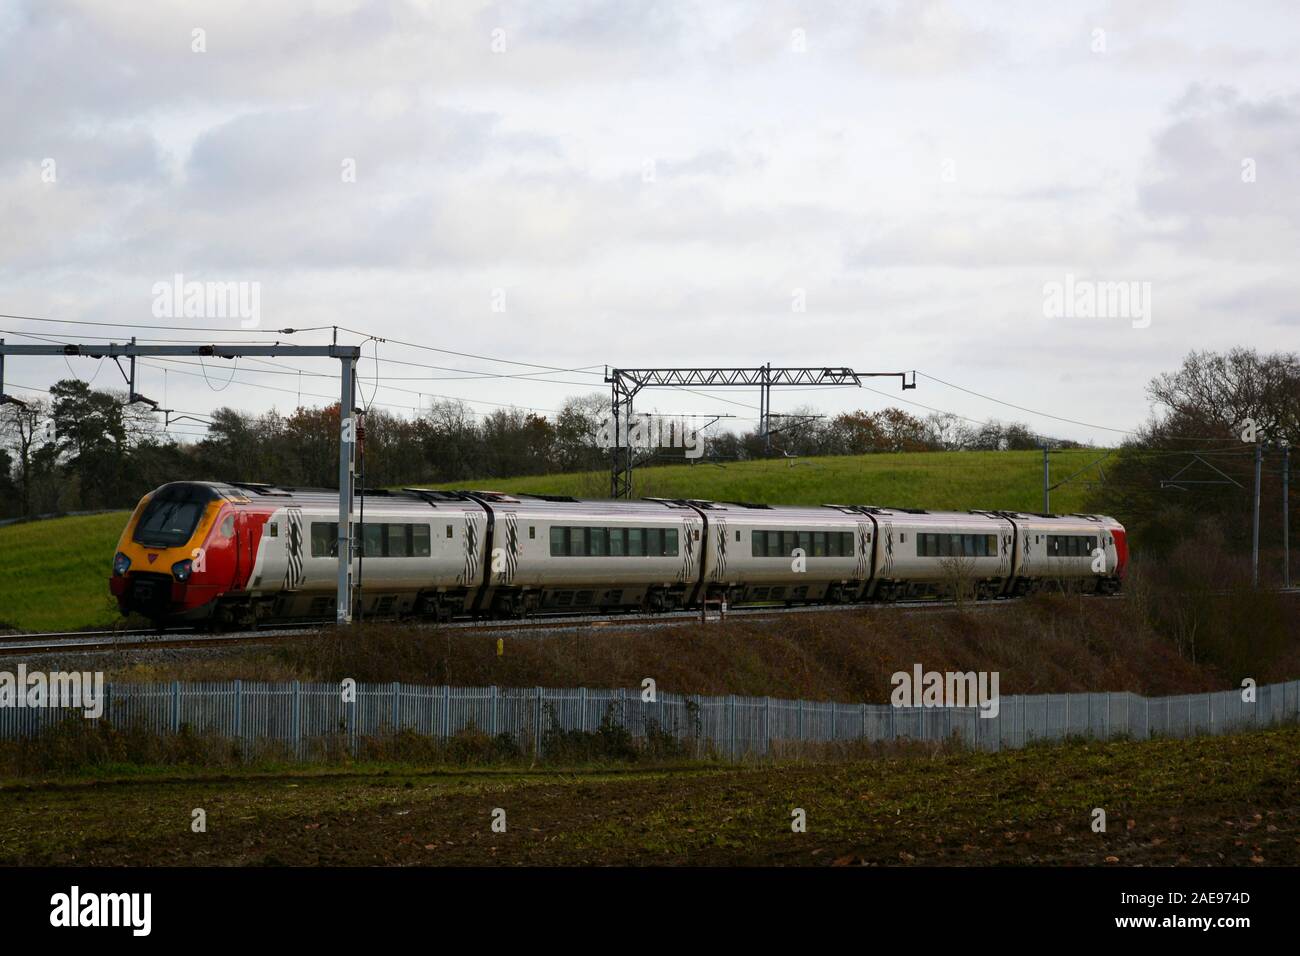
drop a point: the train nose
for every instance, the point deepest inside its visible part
(151, 595)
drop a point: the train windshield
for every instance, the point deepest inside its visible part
(172, 515)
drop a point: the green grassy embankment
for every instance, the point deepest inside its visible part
(959, 480)
(54, 573)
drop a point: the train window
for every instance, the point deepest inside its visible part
(636, 542)
(171, 516)
(372, 541)
(805, 542)
(598, 541)
(819, 544)
(670, 543)
(395, 543)
(758, 543)
(228, 526)
(577, 542)
(773, 549)
(618, 541)
(420, 543)
(788, 541)
(559, 541)
(846, 544)
(324, 539)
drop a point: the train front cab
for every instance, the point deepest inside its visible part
(161, 569)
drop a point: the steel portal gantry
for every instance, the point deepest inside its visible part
(625, 383)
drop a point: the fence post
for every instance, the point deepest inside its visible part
(239, 709)
(863, 735)
(176, 706)
(352, 721)
(832, 721)
(799, 711)
(582, 709)
(767, 726)
(537, 726)
(108, 701)
(446, 712)
(397, 703)
(492, 692)
(731, 720)
(297, 718)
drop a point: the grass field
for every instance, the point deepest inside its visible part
(1011, 480)
(53, 574)
(1210, 800)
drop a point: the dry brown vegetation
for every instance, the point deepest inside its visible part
(1155, 641)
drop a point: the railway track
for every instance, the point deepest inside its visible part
(180, 637)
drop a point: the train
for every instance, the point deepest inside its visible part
(236, 554)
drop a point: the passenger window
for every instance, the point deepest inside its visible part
(558, 541)
(324, 539)
(372, 541)
(420, 540)
(228, 527)
(636, 542)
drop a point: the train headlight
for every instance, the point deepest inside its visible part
(121, 564)
(182, 569)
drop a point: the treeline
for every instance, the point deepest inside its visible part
(83, 448)
(1187, 477)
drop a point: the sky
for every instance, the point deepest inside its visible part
(575, 185)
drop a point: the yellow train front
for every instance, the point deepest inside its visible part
(186, 545)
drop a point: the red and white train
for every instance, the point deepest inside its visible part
(239, 553)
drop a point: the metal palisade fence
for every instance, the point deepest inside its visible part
(297, 718)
